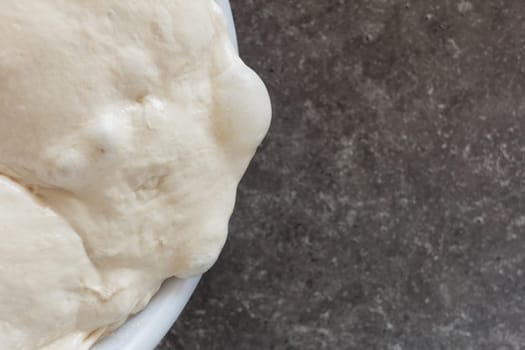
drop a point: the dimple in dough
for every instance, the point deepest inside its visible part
(125, 127)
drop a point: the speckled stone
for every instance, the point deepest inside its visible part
(386, 209)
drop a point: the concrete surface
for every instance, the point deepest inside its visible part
(386, 209)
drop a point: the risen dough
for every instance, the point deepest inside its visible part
(125, 127)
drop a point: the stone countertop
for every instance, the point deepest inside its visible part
(386, 208)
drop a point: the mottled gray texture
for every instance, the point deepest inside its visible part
(386, 209)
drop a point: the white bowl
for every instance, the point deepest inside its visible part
(146, 329)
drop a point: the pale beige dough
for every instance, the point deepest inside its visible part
(125, 127)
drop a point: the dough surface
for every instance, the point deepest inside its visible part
(125, 127)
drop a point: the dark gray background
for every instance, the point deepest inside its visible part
(386, 209)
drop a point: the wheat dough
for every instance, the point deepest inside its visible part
(125, 127)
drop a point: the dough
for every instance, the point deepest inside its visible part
(125, 127)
